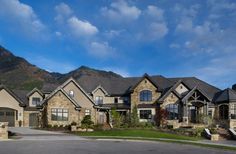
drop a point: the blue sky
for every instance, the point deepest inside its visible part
(172, 38)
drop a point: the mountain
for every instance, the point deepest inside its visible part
(18, 73)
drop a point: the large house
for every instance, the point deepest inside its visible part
(184, 99)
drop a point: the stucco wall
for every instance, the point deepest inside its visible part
(35, 94)
(7, 101)
(181, 89)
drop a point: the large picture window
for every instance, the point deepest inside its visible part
(99, 100)
(146, 95)
(59, 115)
(145, 114)
(172, 111)
(233, 111)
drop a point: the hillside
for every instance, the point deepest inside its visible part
(17, 73)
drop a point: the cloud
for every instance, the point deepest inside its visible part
(120, 11)
(100, 49)
(155, 12)
(63, 11)
(22, 15)
(81, 28)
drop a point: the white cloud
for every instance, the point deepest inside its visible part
(81, 28)
(100, 49)
(22, 15)
(155, 12)
(157, 30)
(58, 34)
(63, 11)
(120, 11)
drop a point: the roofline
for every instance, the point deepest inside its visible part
(34, 90)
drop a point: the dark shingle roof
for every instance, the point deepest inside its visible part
(226, 95)
(192, 82)
(22, 95)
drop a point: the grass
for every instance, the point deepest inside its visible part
(137, 133)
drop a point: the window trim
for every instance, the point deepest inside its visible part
(87, 112)
(142, 116)
(63, 112)
(145, 96)
(36, 102)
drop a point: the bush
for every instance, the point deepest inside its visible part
(49, 126)
(87, 122)
(98, 127)
(73, 123)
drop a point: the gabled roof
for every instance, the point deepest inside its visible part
(33, 91)
(100, 87)
(225, 96)
(21, 103)
(64, 92)
(204, 87)
(192, 91)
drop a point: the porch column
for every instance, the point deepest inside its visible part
(185, 114)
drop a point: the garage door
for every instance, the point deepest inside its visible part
(33, 120)
(7, 115)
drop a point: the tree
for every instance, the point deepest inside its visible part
(162, 117)
(87, 122)
(134, 117)
(117, 119)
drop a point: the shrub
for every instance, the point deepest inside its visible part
(98, 127)
(73, 123)
(87, 122)
(117, 119)
(49, 126)
(134, 120)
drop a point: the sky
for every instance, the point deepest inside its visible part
(173, 38)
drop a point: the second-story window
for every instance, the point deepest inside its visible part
(99, 100)
(145, 96)
(35, 100)
(116, 100)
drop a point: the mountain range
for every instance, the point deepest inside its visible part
(17, 73)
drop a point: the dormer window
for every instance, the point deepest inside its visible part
(99, 100)
(35, 101)
(146, 96)
(71, 93)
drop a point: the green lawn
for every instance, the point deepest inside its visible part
(136, 133)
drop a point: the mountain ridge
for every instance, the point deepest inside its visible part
(18, 74)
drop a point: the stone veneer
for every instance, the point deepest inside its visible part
(3, 130)
(59, 100)
(26, 117)
(145, 84)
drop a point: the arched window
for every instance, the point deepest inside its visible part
(146, 95)
(71, 93)
(172, 111)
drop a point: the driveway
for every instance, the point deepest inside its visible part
(100, 147)
(34, 134)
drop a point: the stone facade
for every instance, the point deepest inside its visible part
(3, 130)
(60, 101)
(27, 118)
(145, 84)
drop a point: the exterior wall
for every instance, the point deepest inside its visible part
(170, 99)
(232, 122)
(153, 110)
(144, 85)
(181, 89)
(79, 96)
(107, 99)
(8, 101)
(59, 100)
(26, 117)
(35, 94)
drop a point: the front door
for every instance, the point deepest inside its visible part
(192, 114)
(7, 115)
(33, 119)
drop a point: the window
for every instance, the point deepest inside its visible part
(146, 95)
(145, 114)
(35, 101)
(210, 113)
(87, 112)
(224, 112)
(172, 111)
(71, 93)
(116, 100)
(99, 100)
(59, 115)
(233, 111)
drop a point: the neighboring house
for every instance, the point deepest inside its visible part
(184, 99)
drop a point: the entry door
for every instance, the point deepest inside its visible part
(193, 114)
(33, 120)
(7, 115)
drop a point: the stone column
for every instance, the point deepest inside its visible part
(185, 114)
